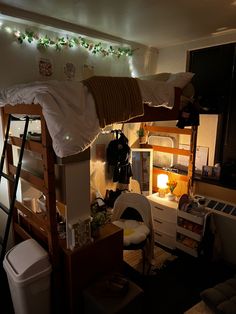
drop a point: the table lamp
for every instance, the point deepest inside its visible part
(162, 180)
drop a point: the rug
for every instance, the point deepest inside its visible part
(161, 259)
(199, 308)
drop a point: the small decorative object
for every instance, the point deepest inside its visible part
(69, 71)
(142, 135)
(45, 67)
(99, 217)
(210, 172)
(79, 233)
(172, 185)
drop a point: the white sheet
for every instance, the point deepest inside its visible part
(69, 109)
(157, 93)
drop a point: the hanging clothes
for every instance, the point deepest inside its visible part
(188, 116)
(118, 155)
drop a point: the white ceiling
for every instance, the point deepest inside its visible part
(155, 23)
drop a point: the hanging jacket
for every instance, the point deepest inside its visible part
(118, 154)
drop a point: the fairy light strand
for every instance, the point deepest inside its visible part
(60, 43)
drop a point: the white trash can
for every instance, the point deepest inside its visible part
(28, 271)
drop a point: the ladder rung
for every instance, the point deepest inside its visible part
(6, 176)
(4, 208)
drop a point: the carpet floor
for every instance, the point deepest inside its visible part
(174, 284)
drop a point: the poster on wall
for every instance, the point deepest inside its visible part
(88, 71)
(45, 67)
(201, 157)
(69, 71)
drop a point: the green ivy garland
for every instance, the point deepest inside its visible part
(70, 42)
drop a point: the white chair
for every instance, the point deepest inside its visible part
(132, 213)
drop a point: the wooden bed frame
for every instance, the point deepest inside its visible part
(47, 183)
(44, 227)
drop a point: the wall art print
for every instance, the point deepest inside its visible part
(45, 67)
(70, 71)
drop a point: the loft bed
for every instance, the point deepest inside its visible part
(18, 103)
(134, 100)
(76, 112)
(160, 113)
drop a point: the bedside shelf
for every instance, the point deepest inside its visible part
(190, 230)
(191, 217)
(188, 233)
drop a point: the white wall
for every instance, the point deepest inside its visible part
(19, 64)
(173, 59)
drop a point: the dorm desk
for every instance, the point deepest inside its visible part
(82, 266)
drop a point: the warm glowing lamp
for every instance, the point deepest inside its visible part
(162, 180)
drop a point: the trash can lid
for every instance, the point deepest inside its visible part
(27, 259)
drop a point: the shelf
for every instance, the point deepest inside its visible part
(186, 249)
(31, 145)
(189, 233)
(190, 230)
(196, 219)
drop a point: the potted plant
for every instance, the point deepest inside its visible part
(142, 135)
(171, 185)
(99, 217)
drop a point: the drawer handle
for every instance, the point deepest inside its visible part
(159, 234)
(159, 208)
(160, 222)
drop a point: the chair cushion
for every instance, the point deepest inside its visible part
(222, 297)
(134, 231)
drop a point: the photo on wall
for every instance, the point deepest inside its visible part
(69, 71)
(210, 172)
(45, 67)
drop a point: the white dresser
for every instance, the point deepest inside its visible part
(164, 214)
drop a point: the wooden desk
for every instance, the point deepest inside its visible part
(83, 265)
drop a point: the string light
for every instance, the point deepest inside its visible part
(60, 43)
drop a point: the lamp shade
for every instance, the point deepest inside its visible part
(162, 180)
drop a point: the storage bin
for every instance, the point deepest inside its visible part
(28, 271)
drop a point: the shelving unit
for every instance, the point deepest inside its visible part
(192, 133)
(190, 230)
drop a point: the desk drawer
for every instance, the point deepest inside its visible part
(165, 240)
(164, 226)
(162, 212)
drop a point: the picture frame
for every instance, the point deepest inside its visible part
(211, 172)
(142, 165)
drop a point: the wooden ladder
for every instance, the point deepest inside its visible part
(27, 223)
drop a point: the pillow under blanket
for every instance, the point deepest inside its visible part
(222, 297)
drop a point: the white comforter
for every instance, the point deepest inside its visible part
(69, 109)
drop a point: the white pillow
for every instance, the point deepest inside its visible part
(157, 93)
(180, 79)
(156, 77)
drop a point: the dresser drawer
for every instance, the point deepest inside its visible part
(165, 240)
(165, 213)
(167, 227)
